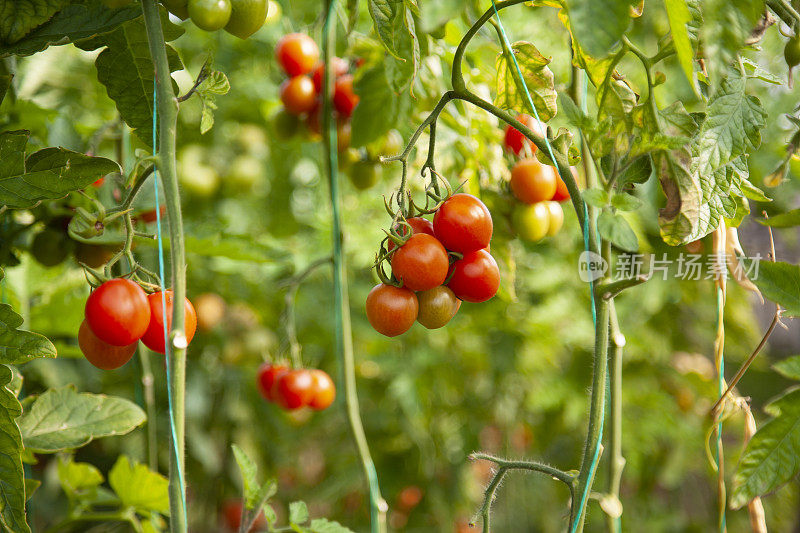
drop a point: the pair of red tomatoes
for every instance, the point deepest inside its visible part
(295, 388)
(432, 288)
(298, 55)
(118, 314)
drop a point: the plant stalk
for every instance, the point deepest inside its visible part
(616, 460)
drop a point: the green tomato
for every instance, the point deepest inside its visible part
(50, 247)
(210, 15)
(532, 221)
(348, 158)
(285, 125)
(365, 174)
(273, 12)
(555, 218)
(199, 180)
(244, 173)
(179, 8)
(791, 53)
(247, 17)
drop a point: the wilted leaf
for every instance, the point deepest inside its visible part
(537, 76)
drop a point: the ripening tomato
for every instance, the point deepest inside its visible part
(409, 497)
(437, 307)
(323, 390)
(117, 312)
(532, 182)
(232, 511)
(298, 96)
(532, 222)
(418, 225)
(267, 374)
(339, 69)
(562, 193)
(364, 174)
(210, 310)
(391, 310)
(101, 354)
(210, 15)
(293, 389)
(297, 53)
(516, 141)
(344, 99)
(154, 336)
(555, 217)
(247, 17)
(463, 224)
(475, 277)
(421, 263)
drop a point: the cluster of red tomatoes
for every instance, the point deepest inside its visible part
(119, 314)
(431, 286)
(536, 185)
(295, 388)
(241, 18)
(298, 56)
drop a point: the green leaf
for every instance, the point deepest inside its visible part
(596, 197)
(19, 17)
(784, 220)
(12, 495)
(598, 26)
(249, 471)
(47, 174)
(236, 247)
(18, 346)
(323, 525)
(78, 20)
(789, 367)
(298, 513)
(562, 145)
(777, 281)
(62, 419)
(639, 171)
(626, 202)
(138, 486)
(214, 85)
(772, 456)
(679, 16)
(394, 24)
(727, 24)
(78, 478)
(378, 113)
(754, 71)
(613, 227)
(30, 487)
(537, 77)
(752, 192)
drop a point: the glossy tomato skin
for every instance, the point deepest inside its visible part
(154, 336)
(117, 312)
(298, 95)
(418, 225)
(210, 15)
(437, 307)
(101, 354)
(421, 263)
(532, 182)
(297, 53)
(293, 389)
(476, 277)
(516, 142)
(267, 373)
(344, 99)
(339, 68)
(323, 390)
(391, 310)
(463, 224)
(532, 222)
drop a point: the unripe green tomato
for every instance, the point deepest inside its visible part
(437, 307)
(50, 247)
(116, 4)
(556, 217)
(348, 158)
(365, 174)
(199, 180)
(244, 173)
(247, 17)
(531, 221)
(179, 8)
(273, 12)
(791, 53)
(285, 125)
(210, 15)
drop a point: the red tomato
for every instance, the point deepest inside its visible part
(154, 336)
(476, 277)
(562, 193)
(298, 95)
(232, 511)
(463, 224)
(293, 389)
(421, 263)
(266, 379)
(532, 182)
(391, 310)
(516, 141)
(340, 68)
(297, 53)
(344, 99)
(117, 312)
(101, 354)
(323, 390)
(418, 225)
(150, 216)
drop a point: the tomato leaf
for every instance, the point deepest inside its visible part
(613, 227)
(394, 24)
(20, 17)
(78, 479)
(777, 281)
(789, 367)
(726, 26)
(596, 197)
(626, 202)
(323, 525)
(380, 107)
(139, 487)
(772, 456)
(537, 77)
(62, 419)
(12, 497)
(45, 175)
(598, 26)
(784, 220)
(298, 513)
(679, 18)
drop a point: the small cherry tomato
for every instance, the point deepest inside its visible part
(247, 17)
(421, 263)
(418, 225)
(117, 312)
(365, 174)
(391, 310)
(293, 389)
(297, 53)
(463, 224)
(298, 96)
(210, 15)
(323, 390)
(154, 336)
(516, 142)
(532, 182)
(340, 68)
(555, 217)
(101, 354)
(475, 277)
(343, 134)
(532, 222)
(50, 247)
(437, 307)
(562, 193)
(267, 374)
(344, 99)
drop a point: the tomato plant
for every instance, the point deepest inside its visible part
(421, 262)
(391, 310)
(101, 354)
(475, 277)
(118, 312)
(532, 182)
(463, 224)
